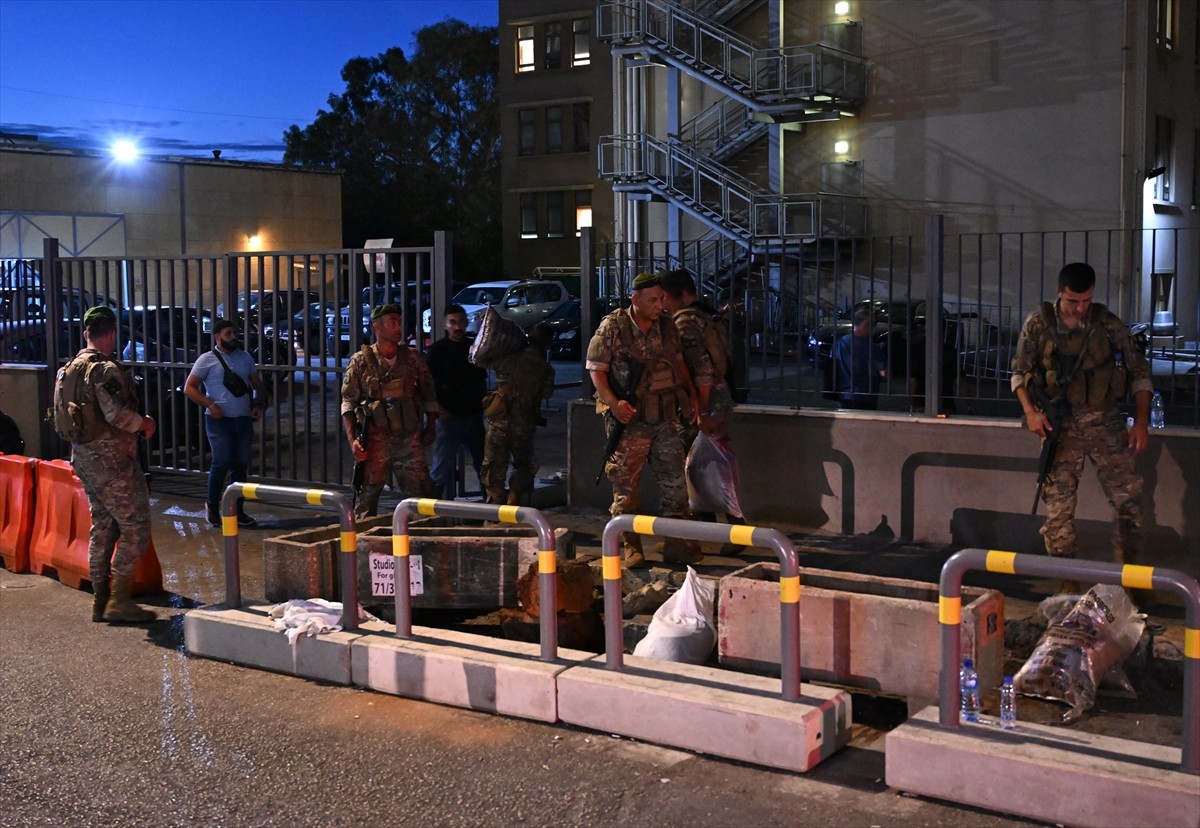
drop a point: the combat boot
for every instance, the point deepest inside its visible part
(514, 498)
(121, 609)
(631, 546)
(676, 550)
(100, 593)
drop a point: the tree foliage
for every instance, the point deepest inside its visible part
(417, 139)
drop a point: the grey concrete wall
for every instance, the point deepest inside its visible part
(18, 385)
(967, 481)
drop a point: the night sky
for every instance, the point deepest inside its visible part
(185, 77)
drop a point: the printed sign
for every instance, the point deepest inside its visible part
(383, 575)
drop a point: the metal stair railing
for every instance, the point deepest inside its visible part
(720, 197)
(761, 77)
(723, 128)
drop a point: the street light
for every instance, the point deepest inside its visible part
(125, 151)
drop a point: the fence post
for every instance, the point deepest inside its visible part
(935, 325)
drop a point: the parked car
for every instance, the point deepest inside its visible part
(524, 302)
(338, 327)
(415, 302)
(899, 325)
(565, 322)
(306, 330)
(264, 307)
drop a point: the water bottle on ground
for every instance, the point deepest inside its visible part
(1158, 417)
(1008, 704)
(968, 685)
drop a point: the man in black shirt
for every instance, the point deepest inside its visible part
(460, 387)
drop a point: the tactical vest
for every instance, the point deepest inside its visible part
(75, 413)
(391, 392)
(1094, 381)
(716, 341)
(660, 394)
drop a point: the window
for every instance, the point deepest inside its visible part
(1164, 152)
(525, 60)
(583, 209)
(581, 116)
(554, 215)
(1166, 13)
(581, 49)
(529, 216)
(527, 142)
(552, 38)
(554, 129)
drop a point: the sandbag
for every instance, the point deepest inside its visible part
(712, 476)
(682, 628)
(1075, 652)
(498, 338)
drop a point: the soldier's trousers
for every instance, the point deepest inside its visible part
(507, 440)
(1105, 442)
(661, 447)
(401, 454)
(119, 503)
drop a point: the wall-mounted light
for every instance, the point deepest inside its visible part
(841, 147)
(254, 242)
(125, 151)
(841, 8)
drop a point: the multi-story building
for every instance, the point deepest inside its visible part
(556, 101)
(804, 128)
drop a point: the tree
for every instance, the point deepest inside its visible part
(418, 143)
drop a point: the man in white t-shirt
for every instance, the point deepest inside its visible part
(226, 383)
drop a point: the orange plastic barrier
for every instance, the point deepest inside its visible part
(17, 476)
(61, 525)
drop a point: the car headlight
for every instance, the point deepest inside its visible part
(568, 334)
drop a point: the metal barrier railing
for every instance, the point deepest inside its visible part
(547, 558)
(1125, 575)
(789, 581)
(313, 497)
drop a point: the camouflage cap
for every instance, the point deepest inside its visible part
(646, 280)
(390, 307)
(96, 315)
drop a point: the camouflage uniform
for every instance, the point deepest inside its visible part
(705, 345)
(395, 401)
(524, 380)
(112, 477)
(654, 435)
(1095, 427)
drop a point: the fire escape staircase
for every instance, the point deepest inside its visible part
(790, 84)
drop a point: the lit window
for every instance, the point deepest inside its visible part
(554, 215)
(529, 216)
(525, 60)
(552, 38)
(554, 129)
(583, 210)
(581, 115)
(1166, 12)
(1164, 152)
(527, 140)
(581, 51)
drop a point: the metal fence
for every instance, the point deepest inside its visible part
(786, 305)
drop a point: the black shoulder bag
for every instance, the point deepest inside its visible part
(234, 383)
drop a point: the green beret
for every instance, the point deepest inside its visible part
(390, 307)
(97, 314)
(646, 280)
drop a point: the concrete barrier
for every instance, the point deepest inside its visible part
(17, 481)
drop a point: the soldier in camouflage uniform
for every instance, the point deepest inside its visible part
(105, 461)
(1084, 347)
(524, 379)
(388, 393)
(663, 397)
(705, 345)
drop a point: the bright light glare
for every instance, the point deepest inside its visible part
(125, 151)
(841, 8)
(254, 242)
(841, 147)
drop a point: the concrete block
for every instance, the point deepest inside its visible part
(463, 670)
(881, 634)
(247, 637)
(1051, 774)
(706, 709)
(304, 564)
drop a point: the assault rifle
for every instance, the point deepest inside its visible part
(1056, 411)
(621, 393)
(360, 417)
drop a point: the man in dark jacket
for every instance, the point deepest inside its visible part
(460, 387)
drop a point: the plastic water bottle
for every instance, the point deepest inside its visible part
(1158, 418)
(968, 685)
(1008, 704)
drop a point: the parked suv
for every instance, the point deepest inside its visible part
(524, 302)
